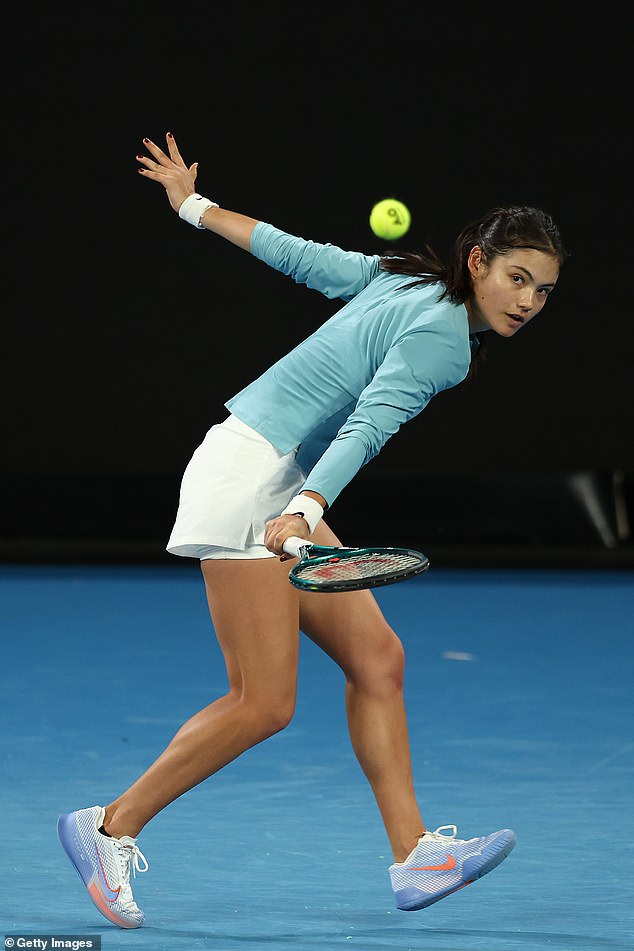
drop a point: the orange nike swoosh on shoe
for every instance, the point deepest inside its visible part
(445, 867)
(111, 894)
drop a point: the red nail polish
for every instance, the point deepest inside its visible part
(146, 140)
(169, 135)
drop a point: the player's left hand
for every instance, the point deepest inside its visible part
(169, 170)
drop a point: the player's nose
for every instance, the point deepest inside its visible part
(526, 303)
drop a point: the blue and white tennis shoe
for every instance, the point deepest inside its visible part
(441, 864)
(103, 864)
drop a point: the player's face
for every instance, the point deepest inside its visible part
(510, 289)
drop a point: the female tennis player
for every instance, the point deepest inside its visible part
(293, 439)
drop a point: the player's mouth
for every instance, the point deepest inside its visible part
(516, 319)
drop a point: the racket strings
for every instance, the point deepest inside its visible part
(358, 567)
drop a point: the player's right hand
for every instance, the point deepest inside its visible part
(277, 530)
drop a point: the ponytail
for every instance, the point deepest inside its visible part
(498, 232)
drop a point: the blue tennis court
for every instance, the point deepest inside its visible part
(521, 711)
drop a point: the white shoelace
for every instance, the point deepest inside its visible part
(439, 837)
(129, 855)
(132, 857)
(435, 838)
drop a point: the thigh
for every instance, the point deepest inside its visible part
(255, 613)
(349, 627)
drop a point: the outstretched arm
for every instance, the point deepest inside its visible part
(323, 267)
(178, 181)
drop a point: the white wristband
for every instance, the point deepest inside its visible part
(308, 508)
(194, 207)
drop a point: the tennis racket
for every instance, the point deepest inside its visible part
(321, 568)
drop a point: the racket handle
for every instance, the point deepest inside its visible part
(294, 545)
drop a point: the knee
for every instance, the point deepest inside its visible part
(381, 668)
(393, 662)
(270, 712)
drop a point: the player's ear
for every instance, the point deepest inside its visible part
(476, 261)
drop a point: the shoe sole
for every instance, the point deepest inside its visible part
(68, 835)
(413, 899)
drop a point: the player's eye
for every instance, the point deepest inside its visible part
(517, 278)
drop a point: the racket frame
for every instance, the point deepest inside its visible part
(318, 555)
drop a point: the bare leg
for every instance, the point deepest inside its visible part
(256, 618)
(351, 629)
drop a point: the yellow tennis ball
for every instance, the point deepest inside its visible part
(390, 219)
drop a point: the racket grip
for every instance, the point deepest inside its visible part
(293, 546)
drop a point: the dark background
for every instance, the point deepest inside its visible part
(125, 330)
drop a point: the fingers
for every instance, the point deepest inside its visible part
(169, 170)
(172, 148)
(279, 529)
(174, 157)
(162, 168)
(167, 161)
(155, 176)
(158, 153)
(153, 170)
(149, 163)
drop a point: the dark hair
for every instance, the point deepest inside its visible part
(497, 232)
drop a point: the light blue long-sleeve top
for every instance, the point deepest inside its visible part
(341, 393)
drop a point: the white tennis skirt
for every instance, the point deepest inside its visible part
(234, 483)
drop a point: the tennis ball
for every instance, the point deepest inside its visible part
(390, 219)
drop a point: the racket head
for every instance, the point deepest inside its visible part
(355, 569)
